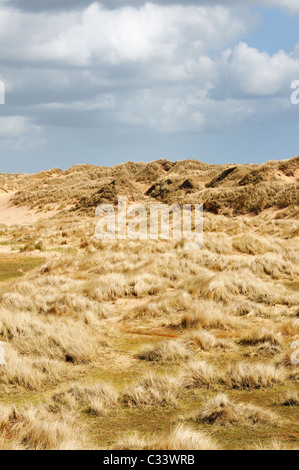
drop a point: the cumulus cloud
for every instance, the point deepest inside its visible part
(249, 72)
(167, 66)
(97, 35)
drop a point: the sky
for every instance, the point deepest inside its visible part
(117, 80)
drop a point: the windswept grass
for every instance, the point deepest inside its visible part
(181, 438)
(135, 344)
(222, 411)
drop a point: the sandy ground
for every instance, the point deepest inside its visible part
(18, 215)
(288, 179)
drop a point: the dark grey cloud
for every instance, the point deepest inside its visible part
(48, 5)
(292, 6)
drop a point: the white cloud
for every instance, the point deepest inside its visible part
(56, 5)
(291, 5)
(168, 68)
(251, 72)
(17, 132)
(14, 126)
(97, 35)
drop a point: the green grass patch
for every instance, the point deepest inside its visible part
(16, 267)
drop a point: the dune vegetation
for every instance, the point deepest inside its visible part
(140, 344)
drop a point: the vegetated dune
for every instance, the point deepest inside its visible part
(228, 189)
(140, 344)
(109, 193)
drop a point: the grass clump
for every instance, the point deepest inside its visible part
(222, 411)
(197, 374)
(248, 376)
(153, 390)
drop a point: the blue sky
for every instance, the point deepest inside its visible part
(116, 81)
(277, 29)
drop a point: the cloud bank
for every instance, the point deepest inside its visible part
(46, 5)
(163, 66)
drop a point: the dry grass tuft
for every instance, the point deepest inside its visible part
(166, 351)
(133, 441)
(37, 429)
(159, 390)
(97, 400)
(185, 438)
(289, 399)
(222, 411)
(181, 438)
(274, 445)
(206, 341)
(290, 327)
(253, 376)
(197, 374)
(206, 315)
(261, 335)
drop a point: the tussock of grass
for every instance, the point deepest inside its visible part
(267, 350)
(253, 376)
(197, 374)
(181, 438)
(274, 445)
(225, 287)
(290, 327)
(289, 399)
(166, 351)
(54, 340)
(222, 411)
(19, 371)
(206, 315)
(286, 360)
(168, 304)
(275, 266)
(206, 341)
(152, 390)
(252, 245)
(30, 373)
(261, 335)
(97, 400)
(185, 438)
(134, 441)
(37, 429)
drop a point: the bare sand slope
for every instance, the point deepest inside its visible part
(11, 215)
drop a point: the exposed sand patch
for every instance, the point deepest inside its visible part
(287, 179)
(12, 215)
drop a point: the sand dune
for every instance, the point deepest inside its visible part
(12, 215)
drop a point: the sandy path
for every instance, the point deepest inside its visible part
(18, 215)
